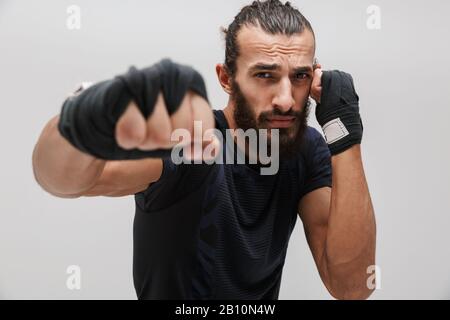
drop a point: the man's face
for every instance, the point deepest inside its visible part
(272, 83)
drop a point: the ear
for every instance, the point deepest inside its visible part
(224, 78)
(316, 64)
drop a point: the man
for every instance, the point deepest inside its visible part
(221, 231)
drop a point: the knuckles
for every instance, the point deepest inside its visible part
(133, 130)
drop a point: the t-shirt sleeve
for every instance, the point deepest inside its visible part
(159, 188)
(169, 168)
(317, 162)
(177, 182)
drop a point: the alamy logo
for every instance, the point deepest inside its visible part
(374, 20)
(73, 21)
(257, 143)
(73, 281)
(374, 280)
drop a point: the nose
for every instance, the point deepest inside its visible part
(284, 99)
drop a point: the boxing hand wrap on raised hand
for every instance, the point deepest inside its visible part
(88, 120)
(338, 111)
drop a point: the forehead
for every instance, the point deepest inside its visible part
(255, 45)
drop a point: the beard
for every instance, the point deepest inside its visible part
(290, 138)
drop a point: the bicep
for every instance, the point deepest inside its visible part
(126, 177)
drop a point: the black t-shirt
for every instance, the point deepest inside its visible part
(221, 231)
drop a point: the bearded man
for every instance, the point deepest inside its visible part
(221, 230)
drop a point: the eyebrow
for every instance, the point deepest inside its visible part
(274, 66)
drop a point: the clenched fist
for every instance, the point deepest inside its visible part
(134, 131)
(134, 115)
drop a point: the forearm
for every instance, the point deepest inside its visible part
(60, 168)
(351, 234)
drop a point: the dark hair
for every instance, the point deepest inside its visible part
(272, 16)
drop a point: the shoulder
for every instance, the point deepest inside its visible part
(312, 133)
(312, 138)
(314, 150)
(220, 120)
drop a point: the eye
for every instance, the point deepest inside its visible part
(264, 75)
(301, 76)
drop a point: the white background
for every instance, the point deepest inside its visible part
(402, 76)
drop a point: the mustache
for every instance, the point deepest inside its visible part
(264, 116)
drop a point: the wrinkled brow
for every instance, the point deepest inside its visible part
(274, 67)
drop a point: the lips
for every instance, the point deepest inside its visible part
(281, 121)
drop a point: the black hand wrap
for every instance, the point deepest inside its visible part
(88, 120)
(338, 111)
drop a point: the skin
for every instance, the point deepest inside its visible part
(285, 89)
(339, 222)
(65, 172)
